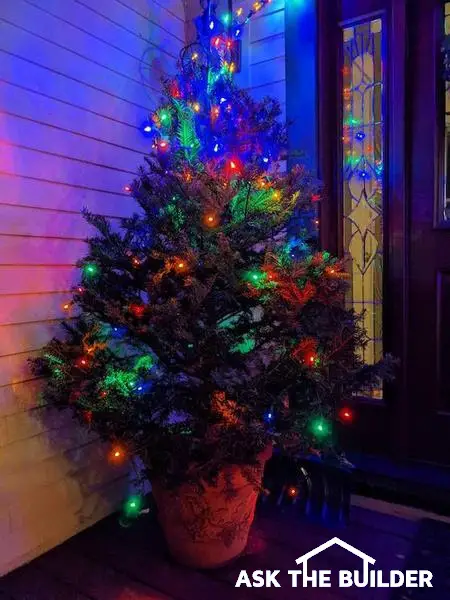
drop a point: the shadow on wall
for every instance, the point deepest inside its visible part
(55, 480)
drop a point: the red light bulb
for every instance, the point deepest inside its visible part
(163, 146)
(82, 362)
(346, 415)
(137, 310)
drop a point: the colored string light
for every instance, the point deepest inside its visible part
(132, 507)
(211, 220)
(137, 310)
(346, 415)
(117, 455)
(292, 492)
(82, 362)
(320, 428)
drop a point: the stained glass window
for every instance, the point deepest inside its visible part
(363, 152)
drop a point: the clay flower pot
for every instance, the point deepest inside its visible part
(206, 530)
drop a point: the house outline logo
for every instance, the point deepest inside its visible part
(335, 541)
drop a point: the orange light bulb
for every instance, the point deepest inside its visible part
(117, 455)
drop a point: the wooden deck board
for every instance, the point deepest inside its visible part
(30, 583)
(107, 562)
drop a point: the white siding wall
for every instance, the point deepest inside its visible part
(75, 83)
(263, 52)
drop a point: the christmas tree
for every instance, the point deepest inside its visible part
(208, 324)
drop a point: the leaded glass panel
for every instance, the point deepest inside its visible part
(363, 155)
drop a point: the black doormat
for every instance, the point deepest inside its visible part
(431, 552)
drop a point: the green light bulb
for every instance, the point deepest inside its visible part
(320, 428)
(132, 507)
(90, 270)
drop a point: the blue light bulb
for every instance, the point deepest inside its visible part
(222, 100)
(216, 148)
(211, 25)
(147, 129)
(268, 417)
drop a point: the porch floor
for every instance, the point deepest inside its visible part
(108, 562)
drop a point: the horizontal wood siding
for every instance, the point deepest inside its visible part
(263, 53)
(77, 79)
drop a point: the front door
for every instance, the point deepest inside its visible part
(381, 131)
(429, 237)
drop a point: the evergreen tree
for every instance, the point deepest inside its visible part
(208, 324)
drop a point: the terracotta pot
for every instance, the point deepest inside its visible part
(207, 530)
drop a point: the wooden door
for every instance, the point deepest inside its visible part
(428, 356)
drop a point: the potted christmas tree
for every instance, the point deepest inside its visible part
(208, 327)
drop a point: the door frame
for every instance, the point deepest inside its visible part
(376, 428)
